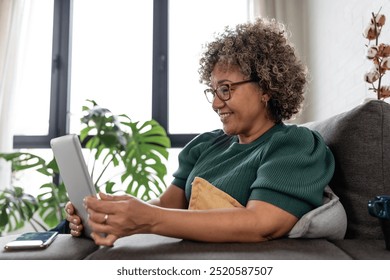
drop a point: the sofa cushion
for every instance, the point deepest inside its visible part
(360, 142)
(364, 249)
(327, 221)
(156, 247)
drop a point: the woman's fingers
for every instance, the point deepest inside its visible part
(107, 240)
(76, 228)
(103, 231)
(75, 233)
(111, 217)
(97, 217)
(69, 208)
(106, 204)
(109, 197)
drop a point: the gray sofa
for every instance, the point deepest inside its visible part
(360, 141)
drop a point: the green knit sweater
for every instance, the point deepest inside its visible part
(288, 166)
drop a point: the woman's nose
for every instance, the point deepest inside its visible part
(217, 103)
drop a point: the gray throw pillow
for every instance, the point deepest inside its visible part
(327, 221)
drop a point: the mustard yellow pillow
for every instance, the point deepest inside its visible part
(206, 196)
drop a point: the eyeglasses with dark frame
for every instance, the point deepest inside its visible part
(223, 91)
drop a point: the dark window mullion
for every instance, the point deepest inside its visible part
(60, 86)
(160, 105)
(160, 63)
(35, 141)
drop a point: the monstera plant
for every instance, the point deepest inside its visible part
(128, 157)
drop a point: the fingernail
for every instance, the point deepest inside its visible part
(74, 221)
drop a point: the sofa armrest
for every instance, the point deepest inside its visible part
(64, 247)
(156, 247)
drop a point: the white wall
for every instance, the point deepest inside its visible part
(335, 53)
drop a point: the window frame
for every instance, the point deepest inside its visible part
(60, 77)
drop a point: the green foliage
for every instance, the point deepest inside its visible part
(135, 152)
(17, 207)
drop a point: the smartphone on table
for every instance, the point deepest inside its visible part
(32, 240)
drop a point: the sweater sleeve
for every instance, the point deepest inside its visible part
(293, 171)
(190, 154)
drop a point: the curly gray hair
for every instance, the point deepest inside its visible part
(263, 53)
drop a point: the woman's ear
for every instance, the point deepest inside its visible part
(265, 98)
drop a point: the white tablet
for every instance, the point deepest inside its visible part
(74, 173)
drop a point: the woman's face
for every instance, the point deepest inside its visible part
(244, 114)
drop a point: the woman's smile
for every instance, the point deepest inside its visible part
(224, 116)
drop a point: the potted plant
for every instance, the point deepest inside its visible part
(135, 154)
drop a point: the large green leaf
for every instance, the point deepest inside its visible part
(140, 149)
(52, 201)
(17, 207)
(22, 161)
(145, 168)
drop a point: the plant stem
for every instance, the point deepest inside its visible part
(38, 223)
(119, 173)
(379, 66)
(104, 169)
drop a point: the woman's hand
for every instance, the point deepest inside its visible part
(74, 220)
(112, 217)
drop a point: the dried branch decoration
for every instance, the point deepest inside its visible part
(379, 54)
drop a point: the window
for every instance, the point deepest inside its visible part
(112, 44)
(191, 25)
(35, 70)
(116, 53)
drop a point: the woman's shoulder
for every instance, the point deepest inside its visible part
(209, 136)
(213, 134)
(291, 131)
(204, 140)
(297, 136)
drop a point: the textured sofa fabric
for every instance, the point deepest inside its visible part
(360, 142)
(150, 246)
(363, 249)
(64, 247)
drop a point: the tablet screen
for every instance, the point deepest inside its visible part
(74, 173)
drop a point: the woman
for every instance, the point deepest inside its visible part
(277, 172)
